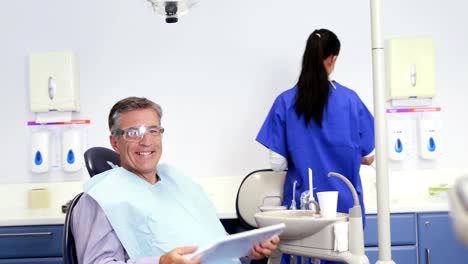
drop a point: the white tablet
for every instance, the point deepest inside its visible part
(236, 245)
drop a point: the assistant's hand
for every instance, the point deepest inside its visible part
(176, 256)
(264, 249)
(367, 160)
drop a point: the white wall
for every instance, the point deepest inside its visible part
(216, 72)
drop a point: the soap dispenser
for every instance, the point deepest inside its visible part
(71, 150)
(40, 151)
(397, 144)
(428, 139)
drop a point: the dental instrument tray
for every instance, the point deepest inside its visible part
(236, 245)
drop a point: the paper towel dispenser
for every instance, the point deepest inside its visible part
(54, 81)
(410, 68)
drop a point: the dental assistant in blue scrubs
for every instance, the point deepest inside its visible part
(319, 124)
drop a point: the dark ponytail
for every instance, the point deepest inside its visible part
(313, 85)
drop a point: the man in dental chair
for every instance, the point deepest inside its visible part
(145, 212)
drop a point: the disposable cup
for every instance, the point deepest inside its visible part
(328, 202)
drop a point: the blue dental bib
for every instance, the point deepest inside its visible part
(151, 220)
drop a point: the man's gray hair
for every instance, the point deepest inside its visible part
(129, 104)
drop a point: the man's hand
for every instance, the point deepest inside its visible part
(264, 249)
(176, 256)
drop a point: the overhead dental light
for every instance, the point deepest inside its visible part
(172, 9)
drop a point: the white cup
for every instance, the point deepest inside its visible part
(328, 202)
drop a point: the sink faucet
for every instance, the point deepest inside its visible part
(293, 202)
(306, 201)
(317, 206)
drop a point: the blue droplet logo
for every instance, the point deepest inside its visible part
(431, 146)
(398, 146)
(38, 158)
(70, 157)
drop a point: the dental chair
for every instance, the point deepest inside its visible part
(68, 244)
(260, 190)
(97, 160)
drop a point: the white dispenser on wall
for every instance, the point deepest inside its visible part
(397, 139)
(71, 150)
(40, 151)
(428, 139)
(54, 82)
(410, 68)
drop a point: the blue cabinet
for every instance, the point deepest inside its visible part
(31, 244)
(416, 238)
(32, 261)
(402, 232)
(403, 235)
(400, 254)
(424, 238)
(437, 241)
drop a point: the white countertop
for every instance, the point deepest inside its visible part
(221, 190)
(410, 208)
(14, 209)
(24, 217)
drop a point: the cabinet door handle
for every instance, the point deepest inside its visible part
(26, 234)
(428, 256)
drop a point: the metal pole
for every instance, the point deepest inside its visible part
(378, 73)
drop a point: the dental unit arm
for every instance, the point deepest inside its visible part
(309, 234)
(356, 231)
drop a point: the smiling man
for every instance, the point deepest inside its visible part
(139, 146)
(144, 212)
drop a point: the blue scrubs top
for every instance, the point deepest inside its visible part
(347, 135)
